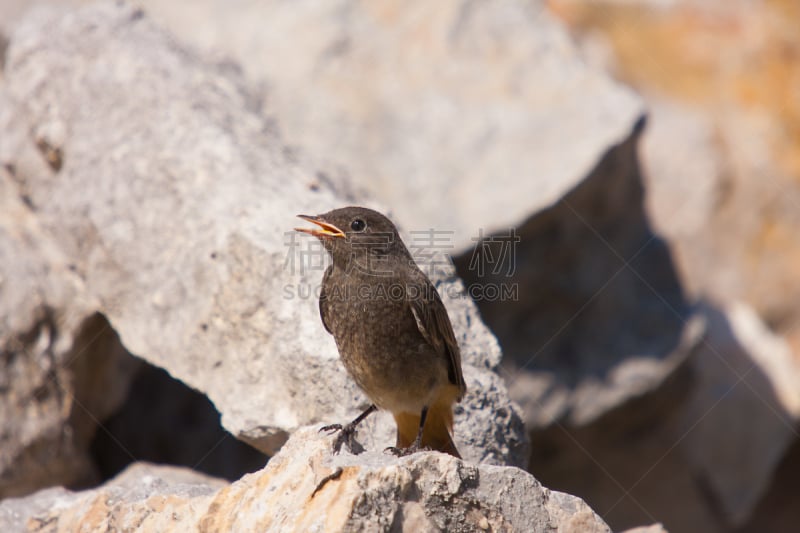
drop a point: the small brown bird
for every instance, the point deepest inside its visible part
(391, 328)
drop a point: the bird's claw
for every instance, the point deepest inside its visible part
(330, 428)
(347, 434)
(404, 452)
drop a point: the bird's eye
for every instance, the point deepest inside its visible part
(358, 225)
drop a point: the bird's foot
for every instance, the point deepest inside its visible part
(346, 435)
(404, 452)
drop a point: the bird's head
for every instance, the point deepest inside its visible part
(354, 236)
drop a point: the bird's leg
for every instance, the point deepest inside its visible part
(348, 431)
(417, 444)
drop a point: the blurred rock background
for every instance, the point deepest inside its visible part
(723, 155)
(721, 164)
(632, 167)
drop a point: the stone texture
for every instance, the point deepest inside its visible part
(487, 104)
(180, 242)
(305, 488)
(172, 199)
(140, 497)
(731, 227)
(61, 365)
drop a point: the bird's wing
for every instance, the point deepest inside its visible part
(324, 303)
(434, 324)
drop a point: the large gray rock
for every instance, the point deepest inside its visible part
(731, 229)
(61, 365)
(172, 201)
(485, 105)
(305, 488)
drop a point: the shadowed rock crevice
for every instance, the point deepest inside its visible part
(164, 421)
(115, 409)
(683, 446)
(52, 378)
(611, 454)
(596, 290)
(779, 506)
(3, 47)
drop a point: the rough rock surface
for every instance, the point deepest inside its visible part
(112, 506)
(305, 488)
(172, 201)
(144, 185)
(60, 364)
(416, 97)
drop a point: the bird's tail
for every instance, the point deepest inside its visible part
(436, 434)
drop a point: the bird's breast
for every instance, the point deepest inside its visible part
(382, 348)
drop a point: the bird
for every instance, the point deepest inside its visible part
(392, 331)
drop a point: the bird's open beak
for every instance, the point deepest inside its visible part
(324, 230)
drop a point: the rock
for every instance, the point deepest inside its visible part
(627, 462)
(407, 125)
(305, 488)
(61, 365)
(777, 510)
(683, 180)
(654, 528)
(155, 489)
(721, 80)
(173, 200)
(402, 119)
(165, 422)
(730, 233)
(744, 411)
(722, 165)
(600, 316)
(415, 97)
(699, 453)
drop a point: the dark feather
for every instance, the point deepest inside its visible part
(434, 324)
(324, 304)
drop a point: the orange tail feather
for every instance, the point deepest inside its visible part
(436, 434)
